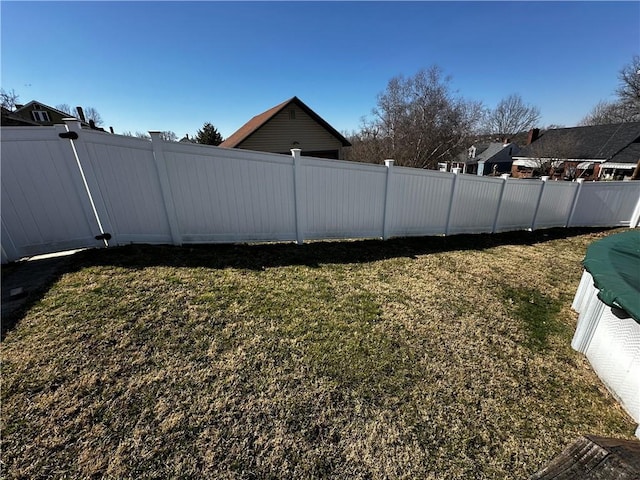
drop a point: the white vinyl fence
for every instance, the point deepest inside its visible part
(63, 186)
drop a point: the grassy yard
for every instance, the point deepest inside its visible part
(424, 358)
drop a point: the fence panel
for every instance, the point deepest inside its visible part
(518, 205)
(128, 183)
(163, 192)
(475, 204)
(555, 205)
(419, 202)
(606, 204)
(342, 199)
(226, 195)
(45, 206)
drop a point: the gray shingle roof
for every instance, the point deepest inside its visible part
(594, 142)
(629, 154)
(496, 152)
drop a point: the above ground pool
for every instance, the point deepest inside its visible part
(608, 330)
(614, 264)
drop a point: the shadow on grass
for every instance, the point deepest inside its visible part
(40, 275)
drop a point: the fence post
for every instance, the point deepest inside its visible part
(575, 201)
(385, 214)
(535, 213)
(504, 186)
(90, 181)
(298, 196)
(451, 200)
(165, 186)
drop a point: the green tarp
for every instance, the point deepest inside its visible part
(614, 264)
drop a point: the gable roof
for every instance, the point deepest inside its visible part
(34, 102)
(596, 142)
(27, 108)
(9, 119)
(258, 121)
(629, 154)
(498, 152)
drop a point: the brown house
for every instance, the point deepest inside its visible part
(35, 114)
(291, 124)
(9, 119)
(592, 152)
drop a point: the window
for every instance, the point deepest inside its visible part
(292, 114)
(40, 116)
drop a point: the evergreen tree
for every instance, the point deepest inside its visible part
(208, 135)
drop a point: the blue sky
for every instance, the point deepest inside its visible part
(175, 65)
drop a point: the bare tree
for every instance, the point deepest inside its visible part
(366, 145)
(9, 99)
(64, 107)
(169, 136)
(611, 112)
(511, 116)
(629, 77)
(91, 113)
(626, 108)
(418, 122)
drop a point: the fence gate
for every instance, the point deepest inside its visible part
(45, 204)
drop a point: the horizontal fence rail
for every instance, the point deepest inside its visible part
(60, 192)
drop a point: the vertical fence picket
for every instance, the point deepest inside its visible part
(535, 214)
(165, 186)
(8, 248)
(495, 220)
(576, 198)
(387, 199)
(298, 194)
(451, 201)
(91, 183)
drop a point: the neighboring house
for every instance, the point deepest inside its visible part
(291, 124)
(37, 114)
(9, 119)
(592, 153)
(623, 164)
(488, 158)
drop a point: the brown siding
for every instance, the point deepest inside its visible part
(54, 117)
(279, 134)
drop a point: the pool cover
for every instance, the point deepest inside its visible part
(614, 264)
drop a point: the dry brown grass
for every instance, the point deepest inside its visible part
(421, 358)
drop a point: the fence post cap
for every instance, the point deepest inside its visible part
(72, 124)
(389, 162)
